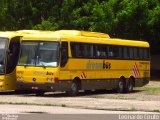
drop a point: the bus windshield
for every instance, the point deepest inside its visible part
(39, 54)
(3, 46)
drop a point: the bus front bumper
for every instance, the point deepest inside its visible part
(61, 86)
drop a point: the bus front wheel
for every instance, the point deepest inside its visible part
(74, 89)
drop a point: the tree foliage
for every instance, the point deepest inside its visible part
(129, 19)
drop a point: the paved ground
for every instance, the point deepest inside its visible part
(33, 112)
(81, 102)
(34, 109)
(137, 101)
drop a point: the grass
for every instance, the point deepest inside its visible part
(155, 111)
(149, 89)
(25, 103)
(63, 105)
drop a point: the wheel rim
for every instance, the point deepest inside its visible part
(130, 86)
(74, 87)
(121, 86)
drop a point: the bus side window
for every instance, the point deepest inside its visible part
(125, 53)
(101, 51)
(132, 53)
(141, 53)
(146, 53)
(64, 54)
(79, 50)
(111, 53)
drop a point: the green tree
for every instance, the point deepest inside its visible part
(153, 24)
(102, 18)
(130, 21)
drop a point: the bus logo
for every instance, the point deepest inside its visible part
(136, 70)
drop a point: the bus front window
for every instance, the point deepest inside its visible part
(28, 52)
(3, 46)
(48, 54)
(39, 54)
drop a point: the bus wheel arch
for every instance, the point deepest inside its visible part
(121, 84)
(75, 87)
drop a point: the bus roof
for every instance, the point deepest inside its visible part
(9, 34)
(82, 33)
(28, 31)
(75, 36)
(126, 42)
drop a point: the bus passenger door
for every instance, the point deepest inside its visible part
(64, 73)
(64, 54)
(12, 60)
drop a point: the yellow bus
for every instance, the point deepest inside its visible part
(9, 54)
(71, 60)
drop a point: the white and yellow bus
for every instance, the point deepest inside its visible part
(71, 60)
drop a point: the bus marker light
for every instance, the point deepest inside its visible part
(56, 80)
(1, 80)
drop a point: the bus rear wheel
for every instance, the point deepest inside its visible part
(121, 86)
(74, 89)
(130, 85)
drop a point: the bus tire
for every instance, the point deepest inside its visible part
(74, 89)
(130, 85)
(39, 93)
(121, 85)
